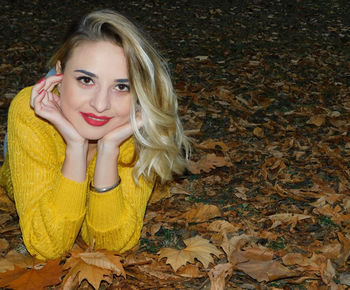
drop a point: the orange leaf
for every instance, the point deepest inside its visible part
(13, 259)
(24, 279)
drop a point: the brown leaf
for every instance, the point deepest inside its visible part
(207, 163)
(316, 120)
(4, 244)
(288, 218)
(13, 259)
(222, 226)
(259, 132)
(308, 264)
(345, 241)
(190, 271)
(95, 267)
(21, 278)
(218, 275)
(265, 270)
(232, 247)
(6, 204)
(196, 247)
(212, 144)
(327, 272)
(200, 213)
(159, 192)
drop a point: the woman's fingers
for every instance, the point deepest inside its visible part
(38, 100)
(46, 85)
(52, 81)
(37, 89)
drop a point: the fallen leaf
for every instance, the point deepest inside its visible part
(327, 272)
(265, 270)
(6, 204)
(21, 278)
(345, 253)
(207, 163)
(316, 120)
(200, 213)
(259, 132)
(212, 144)
(159, 192)
(13, 259)
(95, 267)
(222, 226)
(300, 260)
(196, 247)
(287, 218)
(233, 245)
(190, 271)
(4, 244)
(218, 275)
(159, 270)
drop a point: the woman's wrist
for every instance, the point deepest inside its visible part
(104, 189)
(106, 167)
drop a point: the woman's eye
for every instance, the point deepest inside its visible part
(122, 88)
(85, 80)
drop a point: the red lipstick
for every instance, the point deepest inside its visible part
(94, 120)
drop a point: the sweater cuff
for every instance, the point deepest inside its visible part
(105, 208)
(70, 197)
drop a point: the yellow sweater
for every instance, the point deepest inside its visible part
(53, 209)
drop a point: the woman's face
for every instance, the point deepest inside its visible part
(95, 90)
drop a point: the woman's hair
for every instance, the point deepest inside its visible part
(161, 145)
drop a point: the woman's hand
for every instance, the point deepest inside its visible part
(46, 105)
(106, 171)
(117, 136)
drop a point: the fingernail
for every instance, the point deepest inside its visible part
(41, 91)
(41, 80)
(59, 75)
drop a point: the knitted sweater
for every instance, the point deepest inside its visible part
(52, 209)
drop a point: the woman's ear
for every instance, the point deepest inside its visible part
(58, 67)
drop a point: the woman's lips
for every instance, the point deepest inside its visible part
(94, 120)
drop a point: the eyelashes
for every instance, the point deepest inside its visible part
(87, 81)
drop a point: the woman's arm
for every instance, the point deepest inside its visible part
(50, 205)
(114, 219)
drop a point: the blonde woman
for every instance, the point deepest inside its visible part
(86, 145)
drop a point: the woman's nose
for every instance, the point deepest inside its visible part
(101, 100)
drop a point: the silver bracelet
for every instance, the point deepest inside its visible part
(104, 189)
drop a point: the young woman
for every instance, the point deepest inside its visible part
(86, 145)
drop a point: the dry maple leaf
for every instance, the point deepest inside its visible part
(200, 213)
(33, 279)
(93, 266)
(13, 259)
(288, 218)
(196, 247)
(207, 163)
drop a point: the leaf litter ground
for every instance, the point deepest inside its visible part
(264, 93)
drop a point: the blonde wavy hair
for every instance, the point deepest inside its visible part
(162, 147)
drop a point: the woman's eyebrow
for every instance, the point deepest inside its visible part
(121, 80)
(90, 74)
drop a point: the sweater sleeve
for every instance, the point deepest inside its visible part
(50, 207)
(114, 219)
